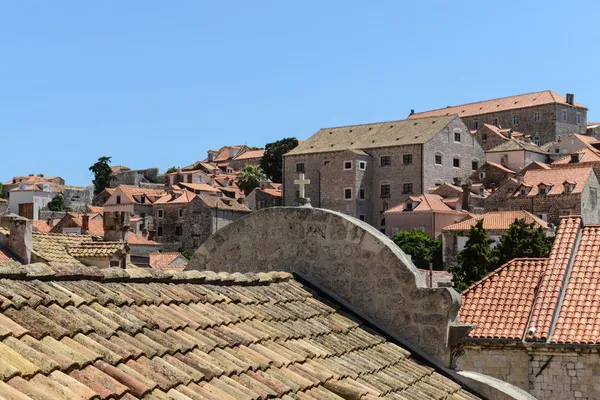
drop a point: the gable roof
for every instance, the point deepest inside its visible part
(59, 249)
(223, 203)
(203, 187)
(498, 105)
(368, 136)
(87, 333)
(585, 156)
(176, 197)
(426, 203)
(516, 145)
(250, 154)
(555, 177)
(134, 194)
(497, 220)
(39, 225)
(164, 260)
(500, 167)
(271, 192)
(6, 257)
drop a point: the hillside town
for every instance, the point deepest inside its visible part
(450, 254)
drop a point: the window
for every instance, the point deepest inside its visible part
(578, 118)
(482, 175)
(361, 193)
(484, 137)
(542, 190)
(557, 150)
(300, 168)
(564, 115)
(474, 165)
(142, 199)
(536, 140)
(347, 164)
(543, 217)
(159, 231)
(161, 213)
(407, 159)
(385, 189)
(524, 191)
(385, 161)
(178, 230)
(362, 165)
(115, 263)
(438, 159)
(515, 120)
(348, 194)
(457, 137)
(118, 199)
(537, 117)
(407, 188)
(326, 162)
(456, 162)
(475, 125)
(408, 206)
(504, 159)
(495, 121)
(180, 212)
(361, 217)
(143, 215)
(593, 197)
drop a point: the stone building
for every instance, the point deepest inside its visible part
(251, 157)
(28, 181)
(492, 175)
(184, 220)
(550, 194)
(537, 319)
(496, 223)
(135, 200)
(516, 154)
(3, 205)
(363, 170)
(572, 144)
(490, 136)
(545, 116)
(263, 197)
(136, 177)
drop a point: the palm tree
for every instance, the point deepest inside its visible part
(250, 177)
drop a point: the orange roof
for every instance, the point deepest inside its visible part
(134, 193)
(5, 257)
(177, 197)
(272, 192)
(586, 155)
(555, 177)
(498, 105)
(223, 203)
(497, 220)
(95, 210)
(426, 202)
(247, 155)
(134, 238)
(96, 228)
(500, 166)
(276, 186)
(501, 302)
(198, 186)
(41, 226)
(162, 260)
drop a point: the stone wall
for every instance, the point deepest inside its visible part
(493, 176)
(258, 199)
(137, 177)
(548, 374)
(350, 260)
(78, 198)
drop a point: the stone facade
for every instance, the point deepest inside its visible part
(348, 259)
(547, 373)
(137, 177)
(78, 198)
(330, 178)
(259, 199)
(491, 176)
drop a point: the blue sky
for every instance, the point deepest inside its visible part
(158, 83)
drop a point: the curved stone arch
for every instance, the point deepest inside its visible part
(345, 257)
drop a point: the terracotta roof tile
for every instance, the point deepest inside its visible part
(424, 202)
(498, 105)
(497, 220)
(5, 257)
(250, 154)
(166, 260)
(501, 167)
(102, 334)
(272, 192)
(555, 177)
(41, 226)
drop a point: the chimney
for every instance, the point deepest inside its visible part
(116, 226)
(85, 224)
(466, 195)
(570, 98)
(19, 240)
(412, 112)
(457, 181)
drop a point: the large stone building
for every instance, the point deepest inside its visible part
(546, 116)
(363, 170)
(538, 320)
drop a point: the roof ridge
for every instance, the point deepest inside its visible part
(387, 122)
(497, 270)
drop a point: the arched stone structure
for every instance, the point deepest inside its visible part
(348, 259)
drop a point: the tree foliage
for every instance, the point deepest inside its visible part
(476, 260)
(103, 174)
(522, 240)
(187, 254)
(250, 177)
(422, 248)
(57, 203)
(172, 169)
(272, 161)
(1, 190)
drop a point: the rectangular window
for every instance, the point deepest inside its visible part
(142, 199)
(326, 162)
(456, 162)
(385, 161)
(385, 189)
(407, 188)
(438, 159)
(564, 115)
(407, 159)
(300, 168)
(118, 199)
(348, 194)
(361, 193)
(161, 213)
(515, 120)
(474, 165)
(457, 137)
(159, 231)
(542, 191)
(495, 121)
(180, 212)
(347, 164)
(361, 217)
(536, 140)
(475, 125)
(537, 117)
(178, 230)
(578, 118)
(362, 165)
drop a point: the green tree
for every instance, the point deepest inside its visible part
(187, 254)
(57, 203)
(272, 161)
(103, 174)
(422, 248)
(1, 190)
(172, 169)
(250, 177)
(522, 239)
(475, 261)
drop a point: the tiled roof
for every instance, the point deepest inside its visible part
(135, 239)
(86, 333)
(501, 302)
(516, 145)
(555, 177)
(198, 186)
(585, 155)
(177, 197)
(41, 226)
(56, 248)
(247, 155)
(272, 192)
(134, 194)
(96, 228)
(425, 202)
(95, 249)
(379, 134)
(500, 167)
(498, 105)
(223, 203)
(497, 220)
(163, 260)
(95, 210)
(5, 257)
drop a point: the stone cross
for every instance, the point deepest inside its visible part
(301, 182)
